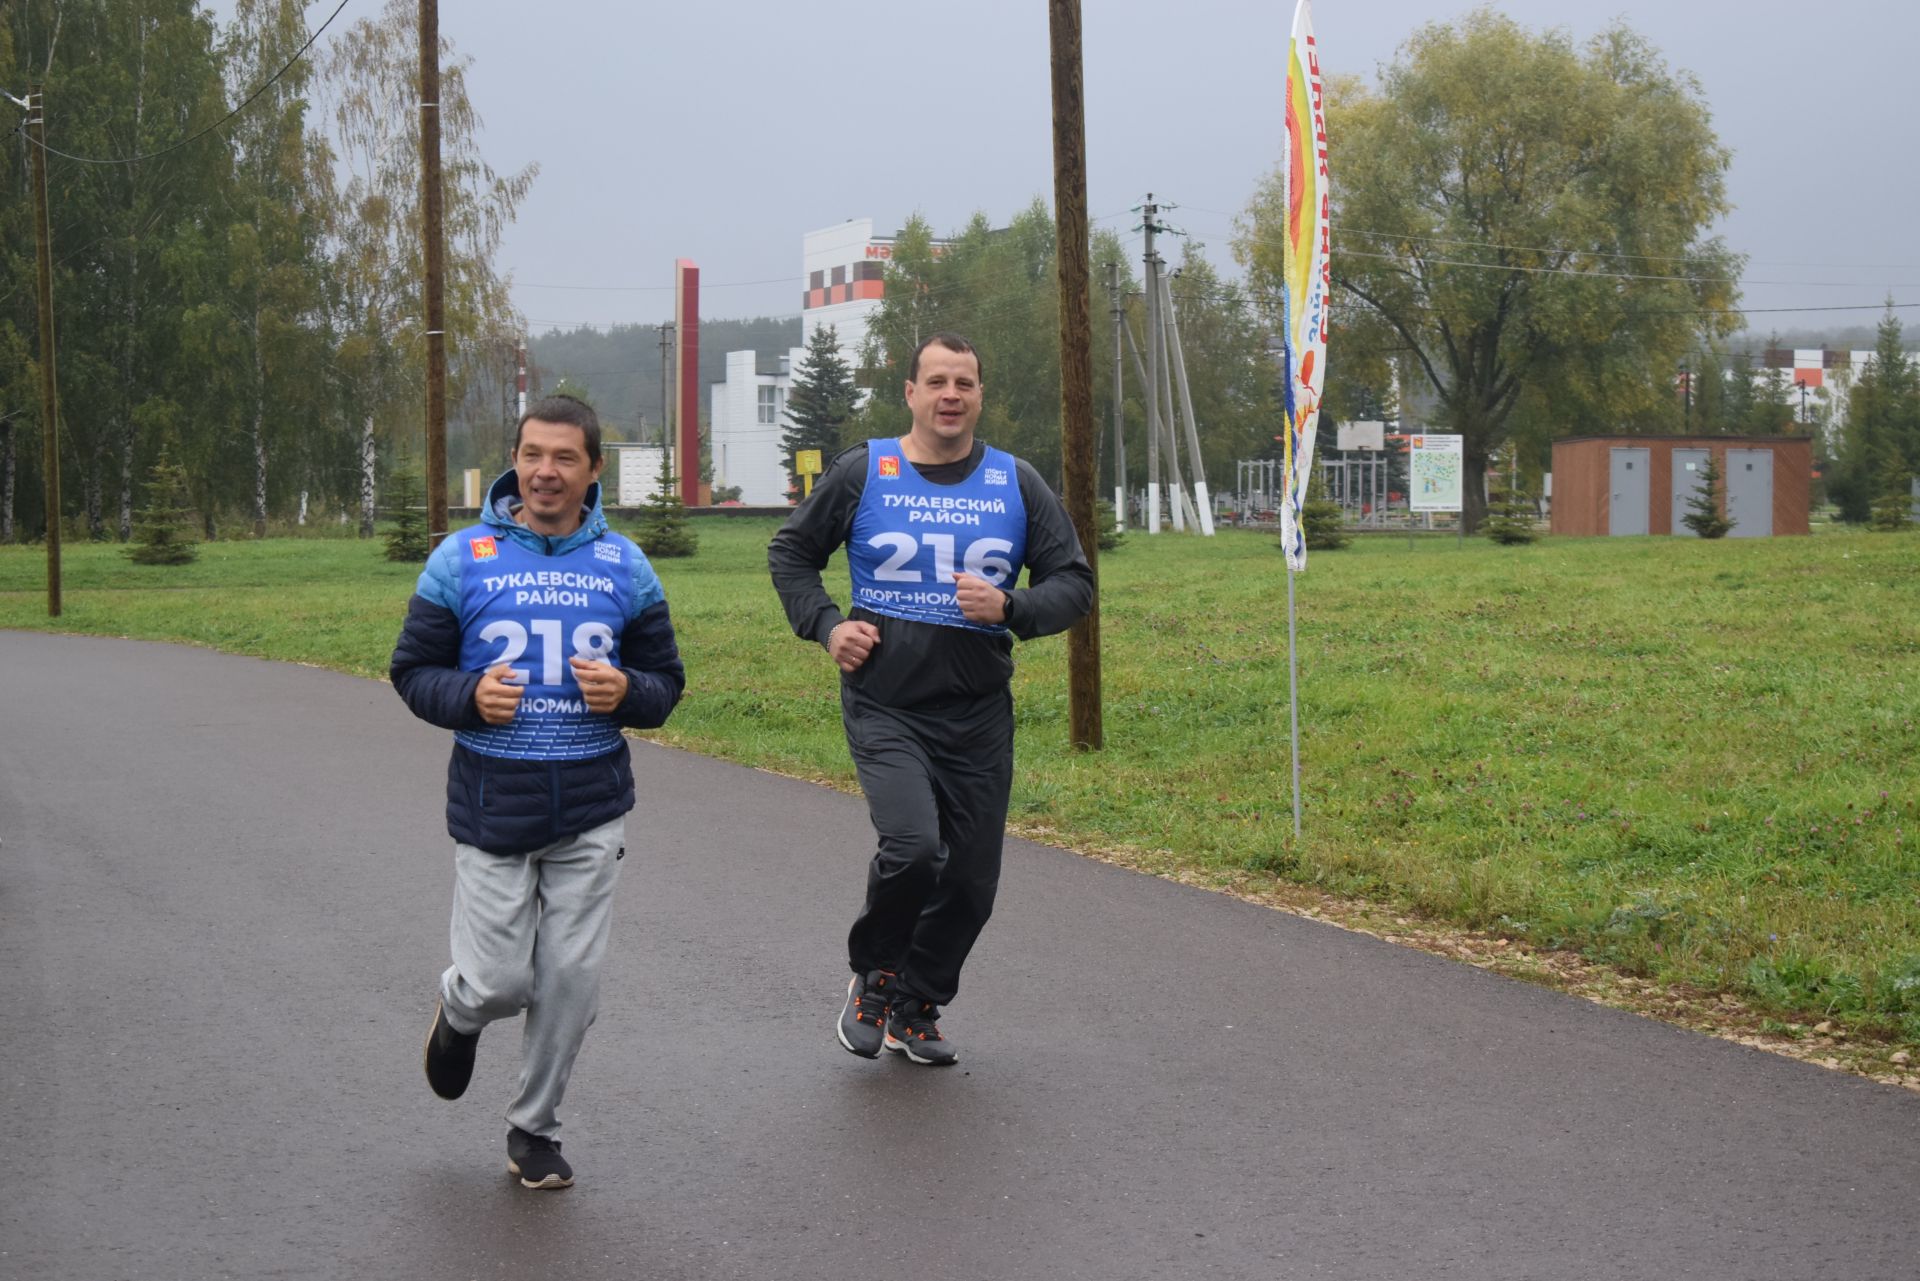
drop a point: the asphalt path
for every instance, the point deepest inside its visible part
(224, 888)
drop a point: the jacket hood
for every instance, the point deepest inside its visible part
(503, 496)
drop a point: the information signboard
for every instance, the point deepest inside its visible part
(1435, 465)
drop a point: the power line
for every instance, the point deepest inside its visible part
(704, 285)
(1597, 253)
(130, 160)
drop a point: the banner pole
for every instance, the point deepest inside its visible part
(1293, 699)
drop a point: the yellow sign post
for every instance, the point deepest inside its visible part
(807, 463)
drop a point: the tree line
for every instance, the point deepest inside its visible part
(997, 286)
(1522, 251)
(239, 286)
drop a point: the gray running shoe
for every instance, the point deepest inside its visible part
(863, 1019)
(912, 1031)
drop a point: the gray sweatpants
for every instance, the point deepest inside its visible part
(530, 933)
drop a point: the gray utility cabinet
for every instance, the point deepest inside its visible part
(1689, 478)
(1750, 492)
(1631, 490)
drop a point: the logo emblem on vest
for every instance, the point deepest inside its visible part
(996, 476)
(889, 465)
(483, 548)
(607, 551)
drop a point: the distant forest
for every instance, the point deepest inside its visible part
(1847, 338)
(618, 369)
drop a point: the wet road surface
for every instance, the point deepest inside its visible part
(224, 888)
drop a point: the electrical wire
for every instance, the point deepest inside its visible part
(131, 160)
(1597, 253)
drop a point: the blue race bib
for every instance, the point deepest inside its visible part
(910, 536)
(533, 613)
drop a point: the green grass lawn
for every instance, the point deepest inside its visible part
(1696, 761)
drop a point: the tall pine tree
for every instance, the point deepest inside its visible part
(1882, 434)
(819, 403)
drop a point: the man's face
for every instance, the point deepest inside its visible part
(946, 400)
(551, 462)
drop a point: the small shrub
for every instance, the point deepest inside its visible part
(1510, 514)
(664, 532)
(1106, 526)
(160, 535)
(1703, 509)
(407, 536)
(1893, 509)
(1324, 522)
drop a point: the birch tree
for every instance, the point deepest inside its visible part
(1529, 220)
(371, 78)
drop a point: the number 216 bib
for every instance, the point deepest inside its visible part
(910, 536)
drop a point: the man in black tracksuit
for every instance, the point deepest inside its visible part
(937, 527)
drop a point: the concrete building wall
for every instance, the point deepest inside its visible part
(845, 268)
(749, 417)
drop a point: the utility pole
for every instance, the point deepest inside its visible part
(433, 237)
(1147, 212)
(1169, 424)
(1076, 356)
(1119, 408)
(520, 379)
(49, 388)
(1165, 438)
(666, 400)
(1203, 507)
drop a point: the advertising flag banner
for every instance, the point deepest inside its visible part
(1307, 273)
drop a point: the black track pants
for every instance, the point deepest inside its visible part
(936, 781)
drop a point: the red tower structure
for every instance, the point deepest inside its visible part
(686, 332)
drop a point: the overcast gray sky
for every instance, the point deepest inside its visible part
(722, 131)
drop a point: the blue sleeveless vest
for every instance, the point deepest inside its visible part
(534, 612)
(911, 535)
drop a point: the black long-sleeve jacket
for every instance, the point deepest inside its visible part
(923, 664)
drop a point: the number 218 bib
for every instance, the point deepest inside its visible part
(533, 613)
(910, 536)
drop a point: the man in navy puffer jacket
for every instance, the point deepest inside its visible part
(535, 636)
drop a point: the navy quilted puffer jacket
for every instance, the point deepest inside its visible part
(510, 807)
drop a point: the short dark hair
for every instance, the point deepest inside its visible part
(952, 342)
(569, 411)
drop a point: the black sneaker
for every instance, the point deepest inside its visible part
(537, 1161)
(911, 1031)
(863, 1019)
(449, 1056)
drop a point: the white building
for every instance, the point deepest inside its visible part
(748, 413)
(845, 267)
(635, 474)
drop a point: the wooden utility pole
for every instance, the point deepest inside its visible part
(49, 388)
(1076, 358)
(1119, 408)
(666, 402)
(433, 237)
